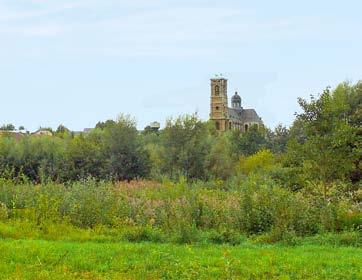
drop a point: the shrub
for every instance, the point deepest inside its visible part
(225, 236)
(3, 212)
(285, 237)
(143, 234)
(262, 161)
(348, 238)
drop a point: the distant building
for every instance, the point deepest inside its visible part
(154, 126)
(43, 132)
(226, 118)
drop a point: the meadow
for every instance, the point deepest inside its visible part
(36, 259)
(153, 230)
(187, 202)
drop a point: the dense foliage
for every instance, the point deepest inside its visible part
(323, 145)
(181, 211)
(113, 152)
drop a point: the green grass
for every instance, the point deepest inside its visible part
(29, 230)
(61, 251)
(39, 259)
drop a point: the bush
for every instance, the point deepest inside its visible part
(143, 234)
(262, 161)
(286, 237)
(348, 238)
(3, 212)
(225, 236)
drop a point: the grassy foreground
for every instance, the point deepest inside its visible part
(40, 259)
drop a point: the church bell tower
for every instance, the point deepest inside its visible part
(219, 104)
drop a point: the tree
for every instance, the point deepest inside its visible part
(327, 146)
(277, 139)
(249, 142)
(103, 125)
(125, 156)
(7, 127)
(260, 162)
(62, 129)
(37, 158)
(221, 157)
(186, 145)
(86, 157)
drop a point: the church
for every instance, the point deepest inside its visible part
(226, 118)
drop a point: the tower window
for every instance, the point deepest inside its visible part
(217, 90)
(217, 108)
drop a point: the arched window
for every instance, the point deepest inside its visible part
(217, 90)
(246, 127)
(217, 125)
(230, 125)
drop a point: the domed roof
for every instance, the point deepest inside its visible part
(236, 98)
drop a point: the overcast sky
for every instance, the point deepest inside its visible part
(76, 62)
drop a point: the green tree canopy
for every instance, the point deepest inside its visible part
(325, 138)
(125, 156)
(186, 145)
(7, 127)
(250, 142)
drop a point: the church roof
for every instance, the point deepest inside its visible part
(235, 113)
(250, 115)
(245, 115)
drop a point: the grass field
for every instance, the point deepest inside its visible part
(40, 259)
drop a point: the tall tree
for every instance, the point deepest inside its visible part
(186, 144)
(249, 142)
(327, 146)
(277, 139)
(126, 157)
(7, 127)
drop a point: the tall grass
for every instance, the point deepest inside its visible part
(184, 211)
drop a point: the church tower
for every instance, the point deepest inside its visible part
(219, 104)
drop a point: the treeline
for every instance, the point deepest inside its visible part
(323, 145)
(113, 152)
